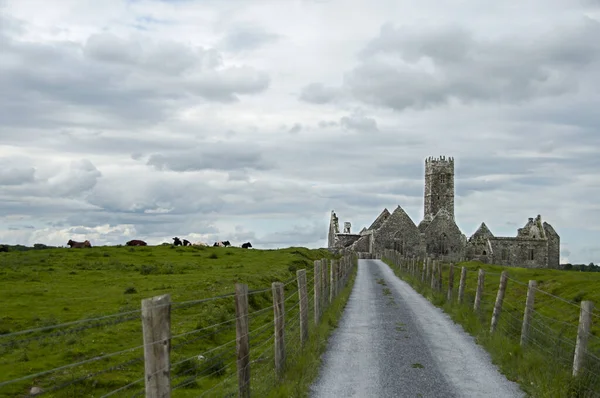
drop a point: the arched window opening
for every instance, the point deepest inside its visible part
(399, 243)
(531, 254)
(443, 246)
(484, 253)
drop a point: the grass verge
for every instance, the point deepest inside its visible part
(303, 368)
(543, 367)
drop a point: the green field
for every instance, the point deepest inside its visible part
(542, 368)
(44, 289)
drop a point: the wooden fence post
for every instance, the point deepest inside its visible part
(324, 273)
(450, 282)
(461, 284)
(583, 333)
(440, 276)
(499, 301)
(156, 327)
(317, 291)
(528, 311)
(424, 271)
(301, 275)
(479, 293)
(433, 275)
(242, 340)
(332, 281)
(279, 317)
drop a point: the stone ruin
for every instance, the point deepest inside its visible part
(536, 245)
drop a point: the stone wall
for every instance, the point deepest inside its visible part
(379, 220)
(443, 237)
(334, 229)
(517, 252)
(553, 246)
(363, 244)
(399, 233)
(345, 240)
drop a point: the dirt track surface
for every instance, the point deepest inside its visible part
(392, 342)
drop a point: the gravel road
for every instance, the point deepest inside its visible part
(392, 342)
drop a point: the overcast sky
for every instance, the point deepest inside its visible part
(250, 120)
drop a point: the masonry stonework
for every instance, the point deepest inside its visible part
(398, 232)
(537, 245)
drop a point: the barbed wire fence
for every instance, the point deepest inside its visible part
(571, 343)
(228, 345)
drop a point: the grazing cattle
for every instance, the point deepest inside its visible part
(177, 241)
(75, 244)
(136, 242)
(218, 244)
(226, 243)
(4, 248)
(200, 244)
(186, 242)
(246, 245)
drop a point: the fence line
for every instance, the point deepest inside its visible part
(267, 336)
(572, 345)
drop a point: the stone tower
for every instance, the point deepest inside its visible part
(439, 186)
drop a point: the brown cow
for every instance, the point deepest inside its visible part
(75, 244)
(136, 242)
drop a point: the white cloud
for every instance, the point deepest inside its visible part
(252, 120)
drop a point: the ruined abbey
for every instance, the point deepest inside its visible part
(536, 245)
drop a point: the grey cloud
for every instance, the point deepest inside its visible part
(110, 48)
(317, 93)
(17, 176)
(327, 124)
(165, 57)
(296, 128)
(238, 175)
(247, 37)
(468, 68)
(580, 112)
(219, 156)
(351, 156)
(81, 177)
(114, 80)
(359, 122)
(71, 182)
(297, 233)
(240, 235)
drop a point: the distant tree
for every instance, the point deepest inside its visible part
(568, 267)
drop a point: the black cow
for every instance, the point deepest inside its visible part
(246, 245)
(4, 248)
(177, 241)
(186, 242)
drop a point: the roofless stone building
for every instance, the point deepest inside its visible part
(537, 245)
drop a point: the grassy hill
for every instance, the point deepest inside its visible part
(45, 288)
